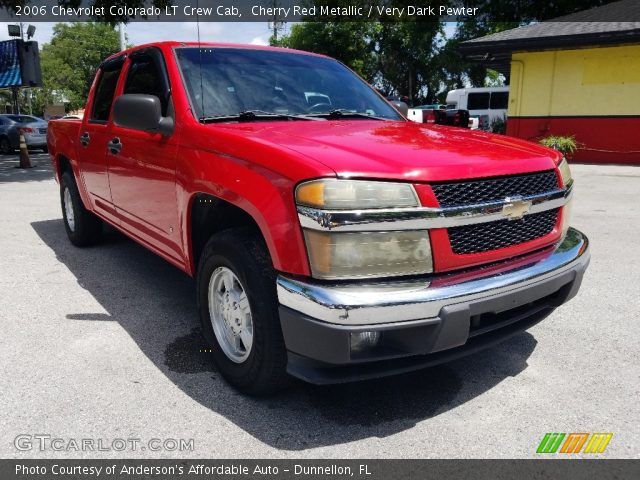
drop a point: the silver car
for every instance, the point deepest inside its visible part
(34, 130)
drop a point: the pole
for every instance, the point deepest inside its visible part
(16, 103)
(123, 42)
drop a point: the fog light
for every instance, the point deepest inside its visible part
(362, 341)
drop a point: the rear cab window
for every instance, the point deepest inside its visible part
(105, 90)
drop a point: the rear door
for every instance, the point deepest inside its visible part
(94, 135)
(142, 165)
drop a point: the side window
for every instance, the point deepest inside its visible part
(105, 90)
(478, 101)
(145, 76)
(499, 100)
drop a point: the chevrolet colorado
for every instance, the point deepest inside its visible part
(331, 239)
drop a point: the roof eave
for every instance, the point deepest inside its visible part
(473, 48)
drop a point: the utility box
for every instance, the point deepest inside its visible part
(30, 64)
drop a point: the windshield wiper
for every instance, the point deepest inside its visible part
(345, 113)
(252, 115)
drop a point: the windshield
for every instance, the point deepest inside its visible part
(223, 82)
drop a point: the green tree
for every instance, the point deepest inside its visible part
(395, 56)
(410, 56)
(70, 61)
(350, 42)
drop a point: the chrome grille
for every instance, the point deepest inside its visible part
(494, 189)
(483, 237)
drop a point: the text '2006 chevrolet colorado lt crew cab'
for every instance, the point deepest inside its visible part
(331, 239)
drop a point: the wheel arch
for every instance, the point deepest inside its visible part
(209, 215)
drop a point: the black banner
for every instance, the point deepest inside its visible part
(327, 469)
(300, 10)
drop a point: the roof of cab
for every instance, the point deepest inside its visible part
(174, 44)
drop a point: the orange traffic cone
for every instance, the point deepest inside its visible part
(24, 153)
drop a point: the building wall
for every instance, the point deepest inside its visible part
(593, 94)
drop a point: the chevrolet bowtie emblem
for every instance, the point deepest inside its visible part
(515, 208)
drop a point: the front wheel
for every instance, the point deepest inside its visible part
(83, 227)
(238, 309)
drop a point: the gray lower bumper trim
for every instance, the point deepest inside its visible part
(400, 301)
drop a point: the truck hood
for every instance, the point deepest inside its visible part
(402, 150)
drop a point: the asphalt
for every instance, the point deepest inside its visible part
(103, 344)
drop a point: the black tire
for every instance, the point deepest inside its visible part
(5, 146)
(244, 252)
(87, 228)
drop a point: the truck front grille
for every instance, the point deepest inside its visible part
(483, 237)
(496, 189)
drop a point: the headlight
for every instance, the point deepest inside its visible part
(335, 194)
(363, 254)
(566, 217)
(368, 254)
(565, 173)
(567, 179)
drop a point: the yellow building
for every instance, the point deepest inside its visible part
(573, 76)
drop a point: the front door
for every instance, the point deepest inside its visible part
(142, 165)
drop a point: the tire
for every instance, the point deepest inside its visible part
(5, 146)
(259, 369)
(83, 227)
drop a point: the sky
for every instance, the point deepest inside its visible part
(256, 33)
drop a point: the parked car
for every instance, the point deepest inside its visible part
(34, 130)
(454, 118)
(331, 241)
(485, 103)
(424, 113)
(439, 115)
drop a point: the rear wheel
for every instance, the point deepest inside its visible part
(5, 146)
(238, 309)
(83, 227)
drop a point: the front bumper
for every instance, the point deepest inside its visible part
(422, 321)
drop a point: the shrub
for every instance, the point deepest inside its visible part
(565, 145)
(499, 125)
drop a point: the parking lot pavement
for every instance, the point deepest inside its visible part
(103, 344)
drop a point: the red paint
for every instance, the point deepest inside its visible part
(601, 139)
(151, 186)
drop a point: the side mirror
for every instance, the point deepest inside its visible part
(402, 107)
(141, 112)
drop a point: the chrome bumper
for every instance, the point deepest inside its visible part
(355, 304)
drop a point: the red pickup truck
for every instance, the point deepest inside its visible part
(332, 239)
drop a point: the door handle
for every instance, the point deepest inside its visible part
(84, 139)
(114, 146)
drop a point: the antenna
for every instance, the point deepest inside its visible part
(200, 61)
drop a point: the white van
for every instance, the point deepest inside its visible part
(485, 104)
